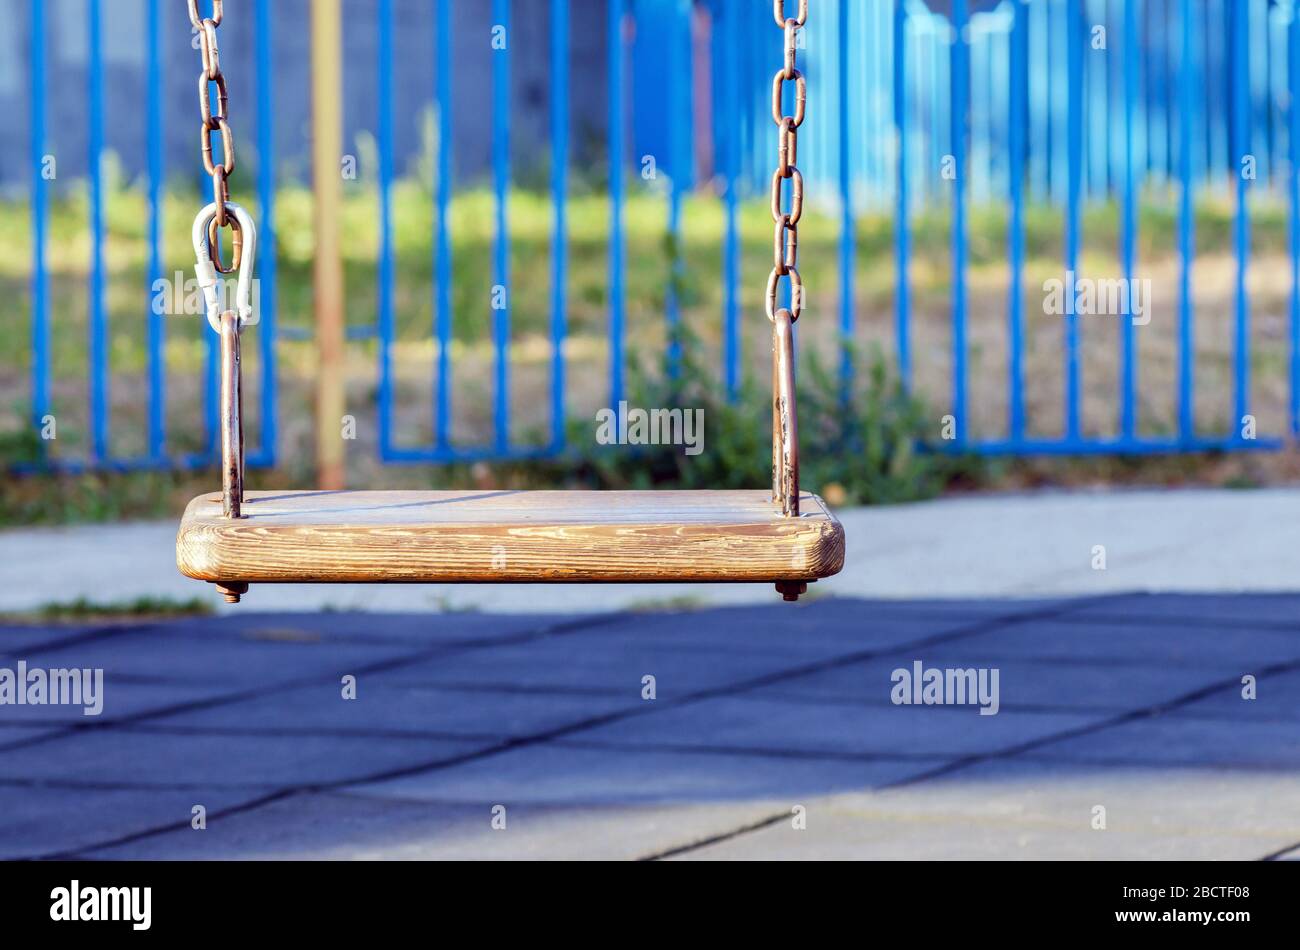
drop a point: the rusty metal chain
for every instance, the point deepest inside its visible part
(216, 120)
(785, 239)
(206, 232)
(785, 258)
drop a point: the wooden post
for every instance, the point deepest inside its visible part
(327, 148)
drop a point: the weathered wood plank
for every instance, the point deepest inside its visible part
(507, 536)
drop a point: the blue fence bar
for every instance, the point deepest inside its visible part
(40, 318)
(153, 110)
(1073, 143)
(999, 78)
(384, 303)
(879, 35)
(617, 155)
(98, 327)
(1241, 222)
(1257, 77)
(848, 239)
(442, 251)
(501, 240)
(1293, 207)
(978, 155)
(1061, 43)
(267, 269)
(679, 159)
(1039, 153)
(1156, 69)
(730, 125)
(1145, 445)
(1128, 229)
(959, 115)
(1186, 220)
(1016, 229)
(1096, 75)
(1216, 77)
(902, 204)
(1279, 20)
(559, 200)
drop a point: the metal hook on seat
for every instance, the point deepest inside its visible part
(206, 272)
(785, 417)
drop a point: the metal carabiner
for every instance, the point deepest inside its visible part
(206, 271)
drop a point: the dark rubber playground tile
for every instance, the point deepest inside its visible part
(120, 699)
(554, 774)
(960, 608)
(1173, 740)
(159, 655)
(827, 623)
(11, 734)
(1042, 685)
(51, 820)
(822, 628)
(791, 728)
(360, 628)
(383, 706)
(1226, 609)
(138, 758)
(614, 665)
(18, 640)
(1276, 696)
(1224, 649)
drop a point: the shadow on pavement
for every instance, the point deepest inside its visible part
(1132, 726)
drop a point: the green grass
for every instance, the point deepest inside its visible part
(530, 213)
(679, 604)
(83, 609)
(98, 497)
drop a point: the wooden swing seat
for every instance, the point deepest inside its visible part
(508, 537)
(235, 538)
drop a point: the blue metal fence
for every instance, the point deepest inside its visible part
(1010, 97)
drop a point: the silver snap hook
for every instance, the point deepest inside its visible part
(206, 272)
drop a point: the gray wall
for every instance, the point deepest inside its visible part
(124, 59)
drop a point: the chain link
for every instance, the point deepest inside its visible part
(785, 237)
(778, 11)
(197, 20)
(216, 120)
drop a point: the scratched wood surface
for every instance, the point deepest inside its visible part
(507, 536)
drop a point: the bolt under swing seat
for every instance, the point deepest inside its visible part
(235, 538)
